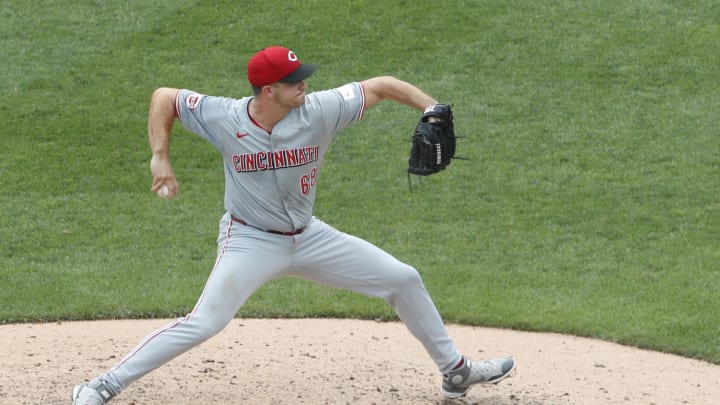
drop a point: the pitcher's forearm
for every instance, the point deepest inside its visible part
(388, 87)
(160, 120)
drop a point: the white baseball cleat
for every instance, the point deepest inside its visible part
(458, 382)
(93, 393)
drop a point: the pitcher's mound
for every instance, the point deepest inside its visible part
(333, 361)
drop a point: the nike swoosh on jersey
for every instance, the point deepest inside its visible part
(241, 135)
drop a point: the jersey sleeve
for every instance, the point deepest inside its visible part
(341, 106)
(206, 116)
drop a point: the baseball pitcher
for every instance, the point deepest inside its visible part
(273, 144)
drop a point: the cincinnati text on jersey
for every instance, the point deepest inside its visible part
(273, 160)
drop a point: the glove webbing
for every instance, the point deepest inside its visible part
(420, 177)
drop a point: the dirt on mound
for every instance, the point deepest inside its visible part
(332, 361)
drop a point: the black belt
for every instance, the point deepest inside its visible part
(289, 233)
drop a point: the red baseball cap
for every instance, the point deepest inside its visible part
(277, 64)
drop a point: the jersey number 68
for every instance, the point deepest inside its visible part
(307, 181)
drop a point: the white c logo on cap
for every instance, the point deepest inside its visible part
(292, 57)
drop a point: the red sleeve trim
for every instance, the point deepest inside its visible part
(362, 107)
(177, 105)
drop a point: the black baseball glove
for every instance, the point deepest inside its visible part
(433, 143)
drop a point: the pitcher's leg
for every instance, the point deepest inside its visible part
(241, 268)
(333, 258)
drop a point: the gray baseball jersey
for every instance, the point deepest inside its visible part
(289, 158)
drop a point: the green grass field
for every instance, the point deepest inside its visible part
(590, 204)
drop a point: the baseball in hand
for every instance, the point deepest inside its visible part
(164, 192)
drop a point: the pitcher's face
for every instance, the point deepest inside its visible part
(289, 95)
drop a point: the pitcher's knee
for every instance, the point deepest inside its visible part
(405, 286)
(205, 327)
(403, 277)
